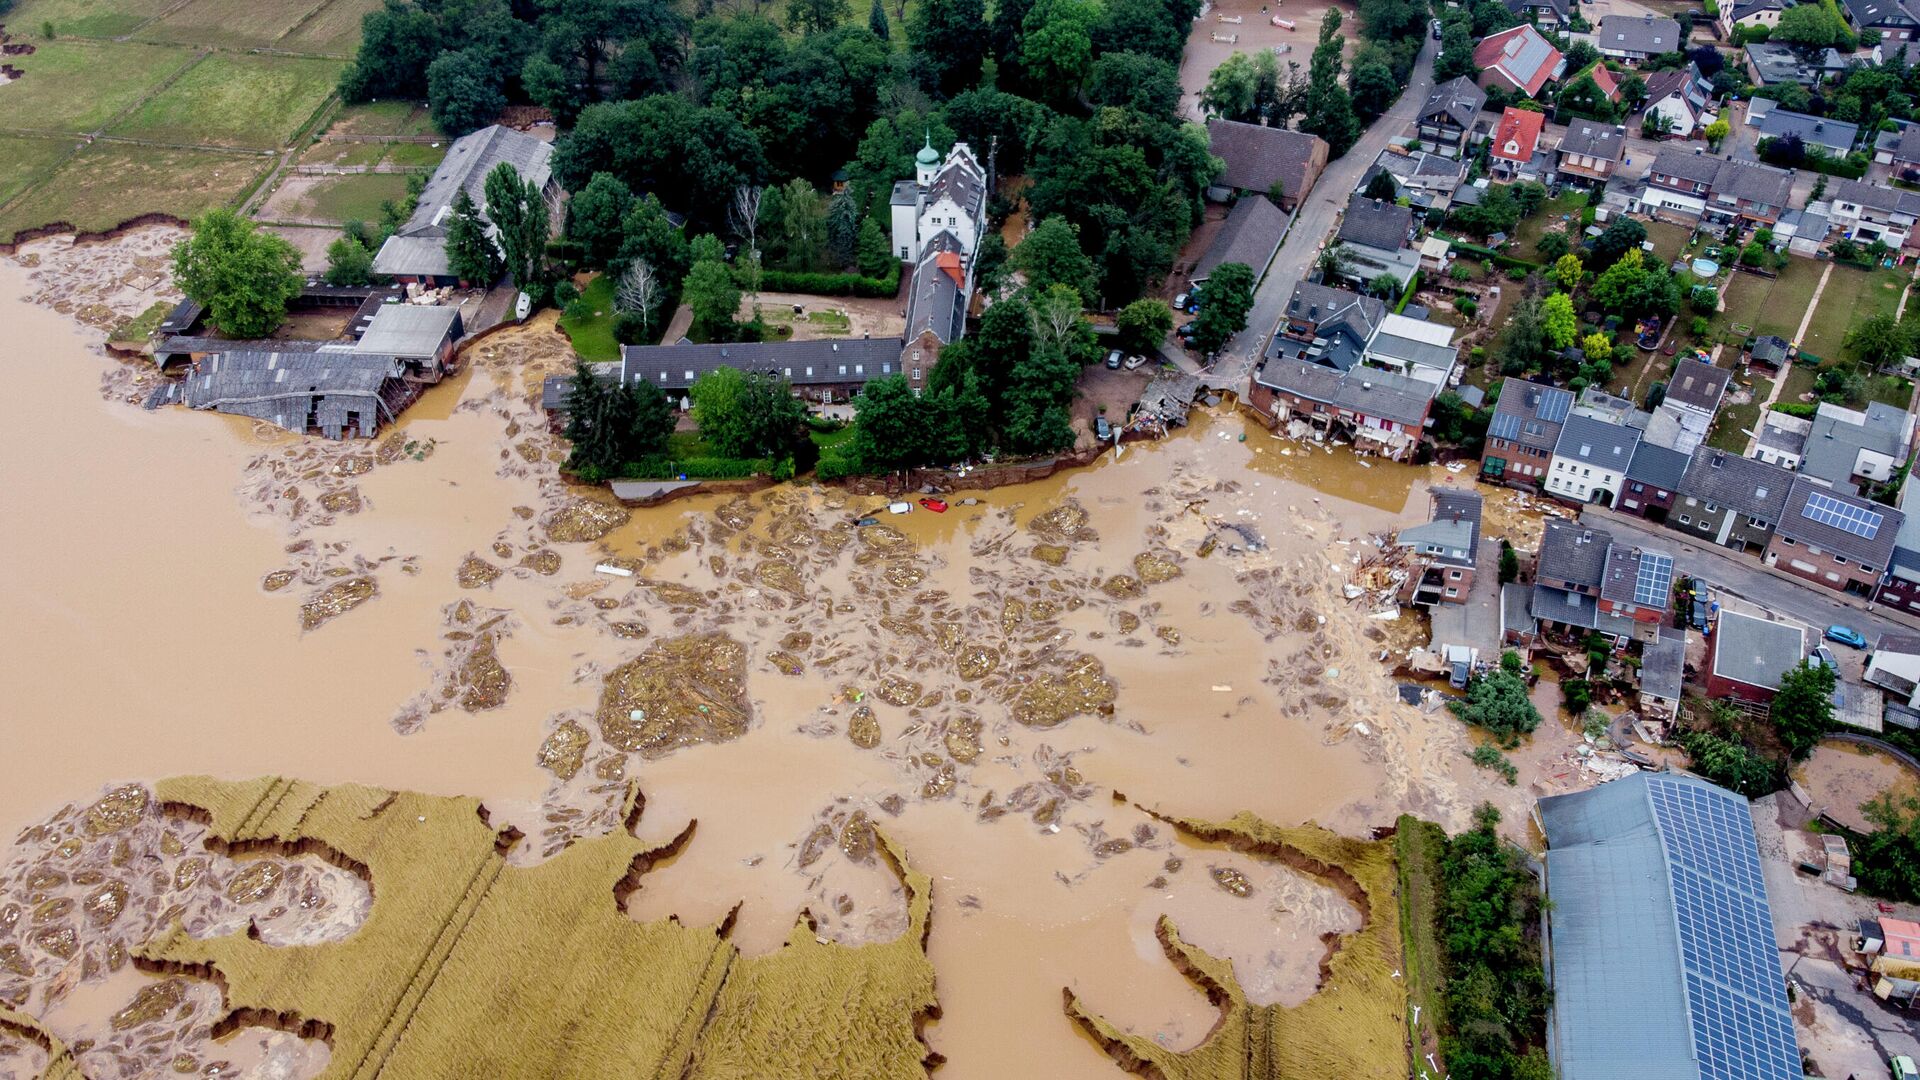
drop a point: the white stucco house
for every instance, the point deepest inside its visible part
(947, 196)
(1590, 459)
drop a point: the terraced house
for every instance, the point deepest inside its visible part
(1637, 38)
(1447, 119)
(1834, 539)
(1872, 212)
(1522, 433)
(1732, 500)
(1590, 460)
(1691, 187)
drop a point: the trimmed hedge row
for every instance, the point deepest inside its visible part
(1488, 253)
(662, 467)
(1802, 409)
(831, 284)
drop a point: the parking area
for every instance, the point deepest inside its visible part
(1233, 26)
(1842, 1027)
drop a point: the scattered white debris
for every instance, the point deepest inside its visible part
(616, 571)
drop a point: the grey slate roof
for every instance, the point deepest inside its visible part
(1904, 144)
(1697, 384)
(1571, 552)
(1875, 196)
(1604, 141)
(1453, 525)
(339, 391)
(1865, 13)
(1250, 236)
(1458, 100)
(1745, 180)
(1776, 63)
(194, 343)
(1673, 161)
(1596, 442)
(1638, 34)
(1748, 486)
(1366, 391)
(1663, 666)
(1375, 223)
(1329, 308)
(1516, 611)
(1664, 962)
(1257, 156)
(409, 330)
(420, 245)
(1685, 82)
(936, 299)
(1874, 550)
(1836, 440)
(1530, 414)
(1756, 651)
(804, 363)
(1745, 8)
(1835, 136)
(1783, 439)
(1657, 466)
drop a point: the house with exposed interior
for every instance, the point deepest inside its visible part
(336, 392)
(1445, 549)
(1522, 433)
(1747, 655)
(1520, 61)
(1264, 160)
(1731, 500)
(1683, 98)
(1380, 412)
(1889, 949)
(1569, 570)
(417, 253)
(1327, 326)
(1590, 152)
(1636, 39)
(1658, 910)
(1833, 538)
(1663, 673)
(1447, 120)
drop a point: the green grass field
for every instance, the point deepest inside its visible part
(108, 183)
(78, 86)
(87, 18)
(24, 160)
(343, 153)
(592, 332)
(239, 24)
(236, 100)
(1852, 296)
(382, 118)
(420, 155)
(355, 198)
(332, 29)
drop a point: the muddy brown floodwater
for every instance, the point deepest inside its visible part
(1003, 687)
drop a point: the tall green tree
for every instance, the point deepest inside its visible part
(1050, 255)
(1497, 701)
(596, 218)
(877, 21)
(1382, 187)
(243, 276)
(610, 425)
(1144, 324)
(647, 233)
(471, 253)
(1880, 341)
(397, 43)
(747, 416)
(1329, 111)
(464, 92)
(898, 429)
(1057, 48)
(712, 294)
(349, 262)
(1561, 323)
(1225, 299)
(947, 43)
(518, 211)
(1803, 709)
(818, 16)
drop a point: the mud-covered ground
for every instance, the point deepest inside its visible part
(1003, 686)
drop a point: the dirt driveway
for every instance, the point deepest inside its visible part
(1255, 32)
(813, 317)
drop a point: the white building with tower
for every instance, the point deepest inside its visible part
(944, 196)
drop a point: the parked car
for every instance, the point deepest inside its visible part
(1902, 1068)
(1180, 302)
(1436, 29)
(1846, 635)
(1823, 657)
(1113, 360)
(1134, 362)
(1101, 429)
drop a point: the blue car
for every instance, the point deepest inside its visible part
(1846, 635)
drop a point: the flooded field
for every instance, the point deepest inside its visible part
(1010, 692)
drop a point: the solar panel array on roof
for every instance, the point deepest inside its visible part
(1505, 426)
(1655, 581)
(1844, 516)
(1554, 404)
(1741, 1029)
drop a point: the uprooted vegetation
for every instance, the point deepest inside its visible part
(1353, 1028)
(467, 966)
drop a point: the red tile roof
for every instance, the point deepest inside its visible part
(1522, 57)
(1518, 135)
(1605, 79)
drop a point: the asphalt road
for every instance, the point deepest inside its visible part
(1313, 223)
(1746, 577)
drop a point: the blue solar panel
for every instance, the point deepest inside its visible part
(1844, 516)
(1735, 989)
(1655, 582)
(1554, 404)
(1504, 426)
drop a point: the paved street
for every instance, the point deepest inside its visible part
(1746, 577)
(1313, 222)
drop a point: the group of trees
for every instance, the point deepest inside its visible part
(1498, 701)
(243, 276)
(1496, 991)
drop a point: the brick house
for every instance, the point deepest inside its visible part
(1522, 433)
(1381, 412)
(1636, 585)
(1569, 573)
(1446, 547)
(1653, 482)
(1691, 187)
(1901, 587)
(1747, 655)
(1590, 151)
(1834, 539)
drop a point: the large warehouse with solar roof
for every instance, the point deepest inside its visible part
(1663, 954)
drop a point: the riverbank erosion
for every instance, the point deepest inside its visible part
(441, 612)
